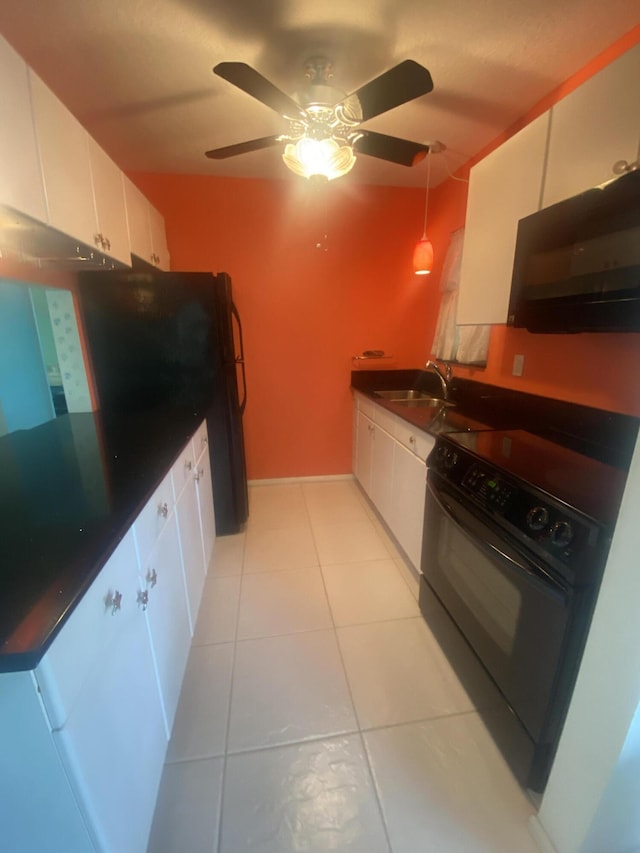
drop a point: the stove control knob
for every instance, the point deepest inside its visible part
(561, 534)
(450, 459)
(537, 518)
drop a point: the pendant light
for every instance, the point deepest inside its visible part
(423, 252)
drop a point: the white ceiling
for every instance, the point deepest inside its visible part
(137, 73)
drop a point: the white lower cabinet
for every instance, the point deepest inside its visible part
(382, 472)
(363, 450)
(204, 488)
(114, 742)
(183, 473)
(390, 464)
(83, 737)
(408, 493)
(162, 595)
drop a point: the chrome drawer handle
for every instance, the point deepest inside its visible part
(113, 602)
(163, 509)
(151, 577)
(412, 439)
(188, 465)
(198, 475)
(142, 599)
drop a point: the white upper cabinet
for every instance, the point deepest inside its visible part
(594, 127)
(159, 249)
(66, 168)
(20, 176)
(146, 228)
(111, 212)
(503, 188)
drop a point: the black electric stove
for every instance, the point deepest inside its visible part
(516, 536)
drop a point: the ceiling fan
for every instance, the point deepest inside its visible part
(324, 133)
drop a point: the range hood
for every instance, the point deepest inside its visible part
(31, 242)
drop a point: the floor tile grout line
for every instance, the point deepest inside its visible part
(229, 702)
(357, 719)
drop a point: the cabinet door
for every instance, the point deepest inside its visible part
(364, 448)
(114, 742)
(503, 188)
(592, 128)
(205, 507)
(188, 515)
(63, 146)
(167, 617)
(20, 176)
(382, 472)
(159, 249)
(407, 502)
(137, 221)
(111, 211)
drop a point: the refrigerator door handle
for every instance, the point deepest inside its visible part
(240, 359)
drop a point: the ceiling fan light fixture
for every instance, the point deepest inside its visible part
(324, 157)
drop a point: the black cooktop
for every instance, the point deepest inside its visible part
(586, 485)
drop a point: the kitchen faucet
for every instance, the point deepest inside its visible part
(445, 378)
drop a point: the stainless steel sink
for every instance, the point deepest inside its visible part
(403, 395)
(424, 402)
(411, 398)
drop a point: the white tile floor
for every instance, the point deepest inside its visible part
(318, 712)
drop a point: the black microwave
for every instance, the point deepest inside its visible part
(577, 263)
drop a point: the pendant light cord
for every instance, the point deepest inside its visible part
(426, 201)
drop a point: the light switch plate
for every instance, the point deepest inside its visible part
(518, 365)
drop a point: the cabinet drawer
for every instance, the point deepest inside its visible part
(366, 406)
(149, 523)
(183, 469)
(414, 439)
(200, 440)
(90, 630)
(386, 420)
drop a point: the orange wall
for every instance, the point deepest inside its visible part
(305, 310)
(598, 370)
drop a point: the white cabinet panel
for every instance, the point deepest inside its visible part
(137, 221)
(89, 632)
(38, 812)
(205, 507)
(382, 472)
(191, 548)
(108, 189)
(159, 249)
(63, 145)
(592, 128)
(167, 617)
(147, 235)
(114, 742)
(392, 465)
(149, 524)
(503, 188)
(408, 498)
(20, 176)
(364, 449)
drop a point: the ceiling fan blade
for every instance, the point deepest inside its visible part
(394, 87)
(243, 147)
(391, 148)
(250, 81)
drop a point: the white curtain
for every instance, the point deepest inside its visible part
(463, 344)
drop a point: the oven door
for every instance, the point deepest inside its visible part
(512, 613)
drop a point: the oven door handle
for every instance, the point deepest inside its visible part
(539, 576)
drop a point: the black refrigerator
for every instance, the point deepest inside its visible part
(173, 340)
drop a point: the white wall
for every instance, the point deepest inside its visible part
(582, 804)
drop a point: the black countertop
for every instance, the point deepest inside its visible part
(69, 491)
(603, 435)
